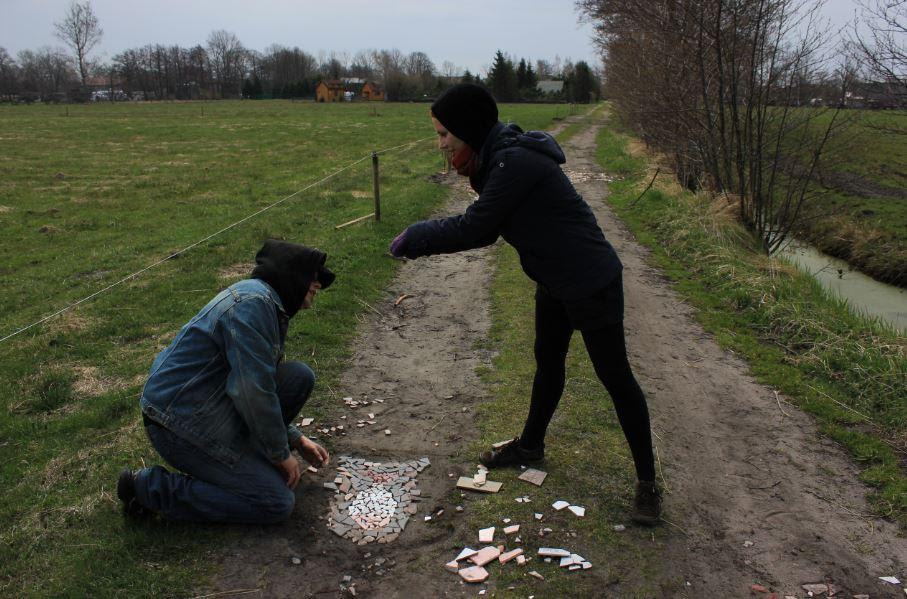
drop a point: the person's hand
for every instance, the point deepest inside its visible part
(290, 469)
(312, 452)
(398, 245)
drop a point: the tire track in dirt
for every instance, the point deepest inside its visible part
(761, 496)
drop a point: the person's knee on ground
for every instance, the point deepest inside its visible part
(295, 382)
(276, 507)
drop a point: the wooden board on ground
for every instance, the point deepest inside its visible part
(490, 486)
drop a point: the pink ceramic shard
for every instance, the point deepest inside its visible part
(452, 566)
(536, 477)
(486, 535)
(485, 555)
(474, 574)
(467, 552)
(506, 557)
(509, 530)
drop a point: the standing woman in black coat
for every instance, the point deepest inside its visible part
(525, 197)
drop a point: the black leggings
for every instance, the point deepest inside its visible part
(608, 353)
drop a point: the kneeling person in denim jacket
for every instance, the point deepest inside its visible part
(219, 401)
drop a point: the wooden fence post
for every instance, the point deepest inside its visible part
(377, 191)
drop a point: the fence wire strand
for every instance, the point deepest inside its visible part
(209, 237)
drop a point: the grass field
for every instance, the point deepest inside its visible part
(860, 214)
(845, 370)
(91, 194)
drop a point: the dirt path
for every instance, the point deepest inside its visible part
(737, 468)
(760, 496)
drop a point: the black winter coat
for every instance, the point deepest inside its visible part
(526, 198)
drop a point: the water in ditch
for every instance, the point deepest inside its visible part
(864, 294)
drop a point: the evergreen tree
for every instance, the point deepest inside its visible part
(584, 87)
(521, 75)
(531, 79)
(502, 79)
(467, 77)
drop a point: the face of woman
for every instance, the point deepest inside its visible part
(447, 141)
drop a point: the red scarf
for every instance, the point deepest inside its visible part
(465, 161)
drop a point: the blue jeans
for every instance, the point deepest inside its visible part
(251, 491)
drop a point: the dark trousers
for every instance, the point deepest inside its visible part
(607, 350)
(251, 491)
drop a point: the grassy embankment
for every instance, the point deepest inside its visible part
(860, 212)
(595, 471)
(90, 194)
(845, 370)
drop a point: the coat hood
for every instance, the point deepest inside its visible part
(508, 136)
(289, 269)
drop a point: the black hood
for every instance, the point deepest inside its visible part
(289, 269)
(506, 136)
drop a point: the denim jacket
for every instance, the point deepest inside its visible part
(215, 385)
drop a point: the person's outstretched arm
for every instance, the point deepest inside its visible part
(480, 225)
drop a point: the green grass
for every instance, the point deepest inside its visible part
(90, 194)
(859, 212)
(845, 370)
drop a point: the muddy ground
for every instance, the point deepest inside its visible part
(754, 493)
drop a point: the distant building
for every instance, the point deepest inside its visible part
(105, 88)
(372, 92)
(550, 86)
(329, 91)
(347, 89)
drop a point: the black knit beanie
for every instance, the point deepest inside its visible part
(290, 268)
(468, 111)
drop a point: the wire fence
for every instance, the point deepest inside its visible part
(372, 156)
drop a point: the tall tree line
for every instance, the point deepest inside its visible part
(720, 87)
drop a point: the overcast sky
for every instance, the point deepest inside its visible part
(465, 32)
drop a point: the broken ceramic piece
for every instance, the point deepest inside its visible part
(577, 510)
(531, 475)
(509, 530)
(474, 574)
(506, 557)
(553, 552)
(486, 535)
(485, 555)
(467, 552)
(560, 504)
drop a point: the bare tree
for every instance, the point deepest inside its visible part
(45, 73)
(227, 57)
(885, 47)
(80, 30)
(450, 70)
(9, 76)
(718, 85)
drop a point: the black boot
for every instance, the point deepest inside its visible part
(511, 453)
(126, 493)
(647, 504)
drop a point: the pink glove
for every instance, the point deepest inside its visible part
(398, 245)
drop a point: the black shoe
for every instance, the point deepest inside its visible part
(126, 492)
(647, 505)
(510, 454)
